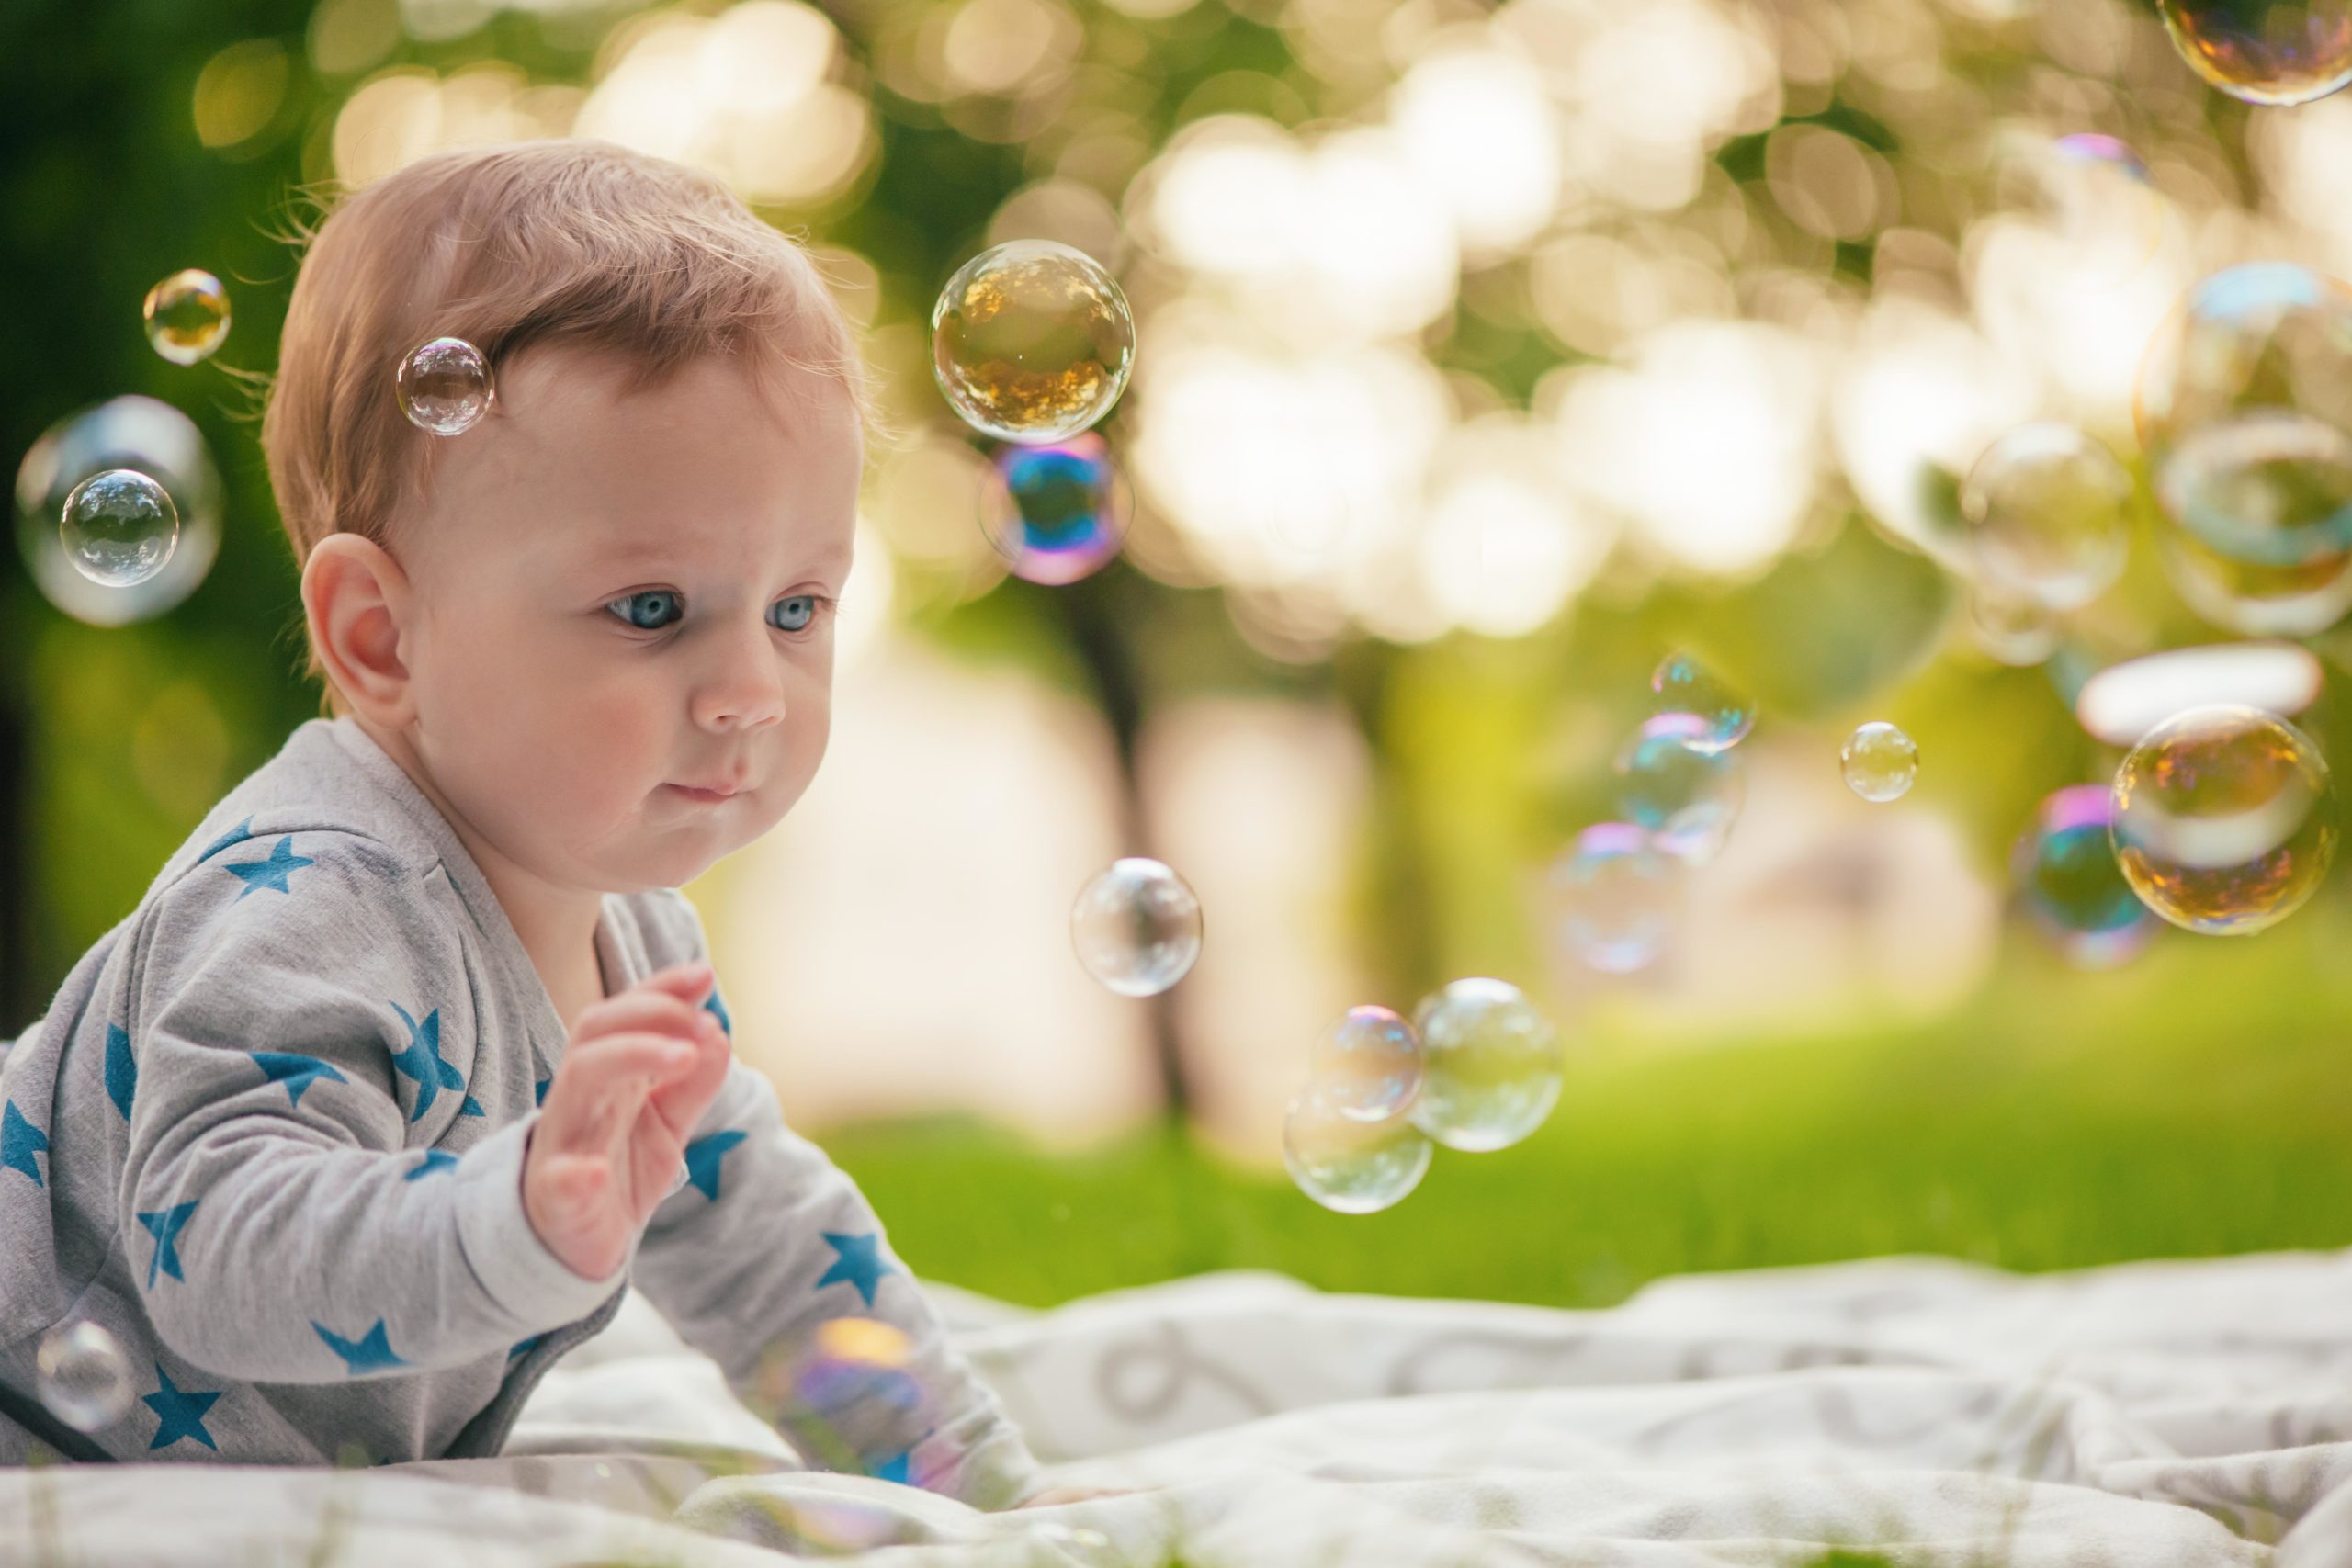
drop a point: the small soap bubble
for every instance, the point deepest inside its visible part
(1683, 792)
(1032, 342)
(445, 385)
(2271, 52)
(1348, 1165)
(84, 1377)
(1610, 899)
(1056, 513)
(2069, 883)
(119, 527)
(1368, 1064)
(187, 316)
(1880, 761)
(1492, 1065)
(1682, 684)
(2224, 820)
(2047, 510)
(1137, 927)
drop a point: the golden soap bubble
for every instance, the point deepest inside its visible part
(187, 316)
(2273, 52)
(1032, 341)
(2224, 820)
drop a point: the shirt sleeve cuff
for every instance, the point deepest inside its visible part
(513, 1265)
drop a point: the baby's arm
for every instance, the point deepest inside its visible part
(284, 1039)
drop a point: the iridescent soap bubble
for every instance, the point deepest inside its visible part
(1137, 927)
(151, 438)
(82, 1376)
(1032, 342)
(1880, 761)
(2224, 820)
(1368, 1064)
(2272, 487)
(1610, 900)
(2069, 883)
(1056, 513)
(187, 316)
(1348, 1165)
(2048, 510)
(1683, 791)
(445, 385)
(1492, 1069)
(119, 527)
(2271, 52)
(1682, 684)
(849, 1388)
(2250, 371)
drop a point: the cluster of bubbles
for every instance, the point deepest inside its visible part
(1032, 344)
(82, 1375)
(1478, 1069)
(1137, 927)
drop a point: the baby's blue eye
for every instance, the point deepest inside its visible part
(794, 612)
(648, 611)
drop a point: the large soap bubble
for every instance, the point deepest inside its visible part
(1032, 341)
(1679, 786)
(1137, 927)
(119, 527)
(1610, 898)
(2049, 514)
(1492, 1071)
(1349, 1164)
(2272, 53)
(1368, 1064)
(1056, 513)
(2224, 820)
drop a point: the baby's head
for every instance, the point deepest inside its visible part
(623, 579)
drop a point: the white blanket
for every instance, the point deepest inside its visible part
(2172, 1414)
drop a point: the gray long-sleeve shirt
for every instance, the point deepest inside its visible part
(270, 1136)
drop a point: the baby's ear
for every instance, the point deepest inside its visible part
(356, 600)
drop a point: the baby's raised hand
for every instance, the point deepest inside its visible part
(642, 1067)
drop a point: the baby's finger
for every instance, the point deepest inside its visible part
(681, 1100)
(598, 1077)
(689, 982)
(640, 1011)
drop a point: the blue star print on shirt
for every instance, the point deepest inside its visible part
(19, 1142)
(370, 1352)
(860, 1262)
(272, 872)
(435, 1159)
(524, 1348)
(164, 1225)
(896, 1468)
(228, 840)
(422, 1061)
(702, 1157)
(540, 1091)
(123, 1069)
(297, 1073)
(718, 1011)
(178, 1413)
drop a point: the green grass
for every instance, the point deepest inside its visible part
(2196, 1104)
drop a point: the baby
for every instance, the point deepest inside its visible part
(411, 1059)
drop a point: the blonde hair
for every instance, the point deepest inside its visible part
(579, 242)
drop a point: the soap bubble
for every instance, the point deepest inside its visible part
(1682, 684)
(848, 1389)
(2068, 880)
(1032, 342)
(1137, 927)
(1880, 761)
(2272, 53)
(148, 438)
(2048, 512)
(2015, 628)
(445, 385)
(2268, 346)
(1610, 898)
(1056, 514)
(84, 1377)
(1684, 792)
(2251, 599)
(1348, 1165)
(1492, 1071)
(1368, 1064)
(2272, 487)
(119, 527)
(2224, 820)
(187, 316)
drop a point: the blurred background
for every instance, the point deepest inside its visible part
(1486, 354)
